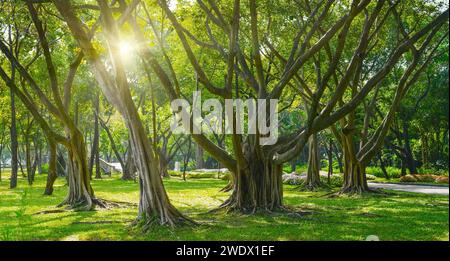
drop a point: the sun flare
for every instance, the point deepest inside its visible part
(125, 48)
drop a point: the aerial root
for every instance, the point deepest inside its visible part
(175, 220)
(91, 203)
(356, 191)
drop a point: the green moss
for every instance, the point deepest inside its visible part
(398, 216)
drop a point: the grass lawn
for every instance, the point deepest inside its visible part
(398, 216)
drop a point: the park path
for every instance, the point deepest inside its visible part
(412, 188)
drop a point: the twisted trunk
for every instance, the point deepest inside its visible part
(80, 195)
(154, 204)
(95, 153)
(313, 174)
(14, 142)
(257, 184)
(355, 181)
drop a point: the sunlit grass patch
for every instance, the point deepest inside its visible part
(397, 216)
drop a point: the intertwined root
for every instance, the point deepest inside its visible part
(86, 204)
(356, 191)
(146, 223)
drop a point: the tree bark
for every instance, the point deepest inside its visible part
(199, 157)
(80, 195)
(52, 172)
(130, 166)
(330, 160)
(257, 185)
(313, 174)
(409, 157)
(163, 163)
(1, 151)
(355, 181)
(94, 159)
(154, 204)
(14, 143)
(383, 167)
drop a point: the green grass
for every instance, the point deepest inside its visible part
(398, 216)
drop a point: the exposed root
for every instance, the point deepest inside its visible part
(275, 211)
(312, 186)
(228, 187)
(147, 224)
(99, 222)
(356, 191)
(87, 204)
(51, 211)
(230, 206)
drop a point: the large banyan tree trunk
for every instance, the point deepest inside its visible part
(313, 174)
(355, 181)
(154, 204)
(258, 185)
(80, 195)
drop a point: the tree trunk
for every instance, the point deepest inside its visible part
(1, 152)
(30, 174)
(293, 165)
(199, 158)
(130, 167)
(154, 204)
(355, 181)
(409, 157)
(163, 165)
(313, 174)
(256, 186)
(186, 159)
(95, 157)
(383, 167)
(339, 159)
(14, 144)
(80, 195)
(403, 167)
(52, 173)
(330, 160)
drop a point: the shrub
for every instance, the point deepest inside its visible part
(44, 168)
(301, 168)
(393, 172)
(439, 172)
(408, 178)
(376, 171)
(175, 173)
(293, 179)
(201, 175)
(335, 180)
(370, 177)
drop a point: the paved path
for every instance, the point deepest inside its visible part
(412, 188)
